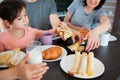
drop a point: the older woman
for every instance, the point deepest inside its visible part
(88, 14)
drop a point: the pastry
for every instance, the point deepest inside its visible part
(52, 53)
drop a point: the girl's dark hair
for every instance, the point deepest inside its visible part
(10, 9)
(99, 6)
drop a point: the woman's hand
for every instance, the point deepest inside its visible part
(26, 71)
(93, 40)
(77, 36)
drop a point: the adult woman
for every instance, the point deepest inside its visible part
(88, 14)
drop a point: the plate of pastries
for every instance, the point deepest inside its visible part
(82, 64)
(52, 53)
(11, 58)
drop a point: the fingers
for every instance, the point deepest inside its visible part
(39, 71)
(39, 68)
(73, 39)
(91, 45)
(39, 75)
(63, 25)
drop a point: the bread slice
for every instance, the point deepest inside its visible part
(76, 64)
(90, 68)
(83, 64)
(4, 58)
(74, 47)
(13, 60)
(64, 33)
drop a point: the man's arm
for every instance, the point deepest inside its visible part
(54, 20)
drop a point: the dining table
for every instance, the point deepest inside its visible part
(108, 55)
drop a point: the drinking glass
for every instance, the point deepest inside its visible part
(34, 51)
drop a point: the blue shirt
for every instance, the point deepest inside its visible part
(38, 13)
(80, 18)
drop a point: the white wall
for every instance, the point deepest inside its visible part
(1, 0)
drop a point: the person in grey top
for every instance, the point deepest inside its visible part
(42, 14)
(88, 14)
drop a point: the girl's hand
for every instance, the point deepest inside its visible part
(53, 32)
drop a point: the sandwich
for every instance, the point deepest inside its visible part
(14, 58)
(76, 63)
(83, 64)
(90, 68)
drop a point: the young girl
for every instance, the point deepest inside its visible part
(19, 34)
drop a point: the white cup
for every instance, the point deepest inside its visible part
(104, 39)
(35, 53)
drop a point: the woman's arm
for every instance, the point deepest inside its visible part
(67, 20)
(93, 35)
(104, 25)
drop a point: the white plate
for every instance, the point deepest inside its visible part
(112, 38)
(66, 65)
(64, 52)
(22, 54)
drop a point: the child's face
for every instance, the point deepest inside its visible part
(21, 21)
(92, 3)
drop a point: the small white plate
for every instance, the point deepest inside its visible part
(67, 62)
(64, 52)
(22, 54)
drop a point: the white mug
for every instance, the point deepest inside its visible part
(104, 39)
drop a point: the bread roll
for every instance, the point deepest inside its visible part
(52, 53)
